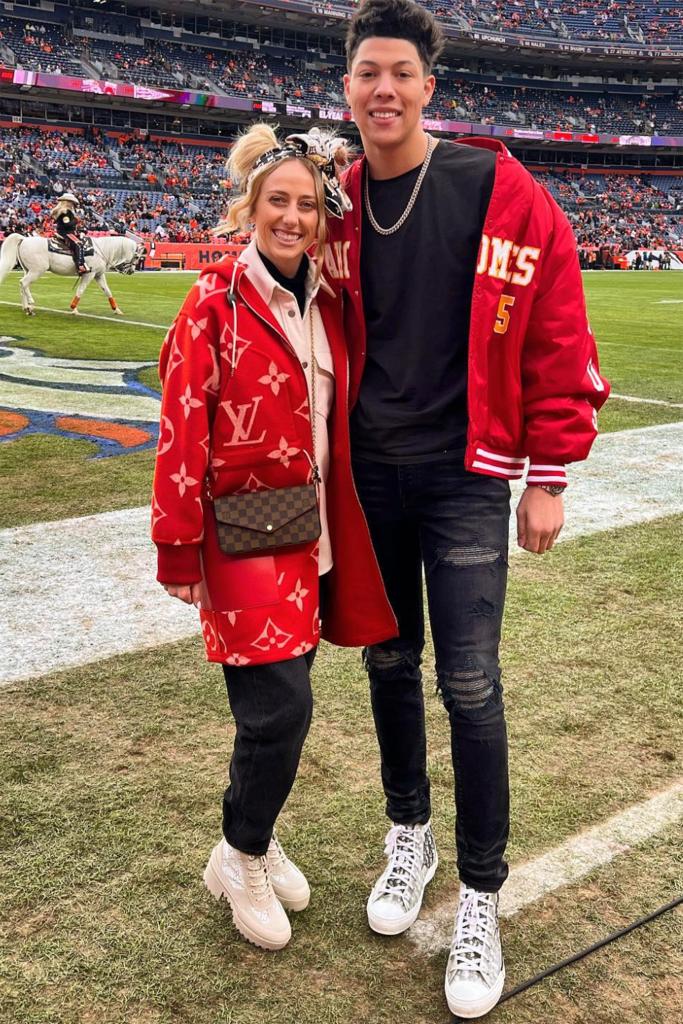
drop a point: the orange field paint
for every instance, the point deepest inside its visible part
(11, 422)
(127, 437)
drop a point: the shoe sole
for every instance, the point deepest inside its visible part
(469, 1011)
(219, 892)
(401, 924)
(295, 903)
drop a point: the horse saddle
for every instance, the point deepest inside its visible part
(60, 246)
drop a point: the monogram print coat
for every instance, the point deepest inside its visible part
(235, 418)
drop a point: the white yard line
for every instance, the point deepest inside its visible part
(92, 316)
(647, 401)
(566, 864)
(77, 590)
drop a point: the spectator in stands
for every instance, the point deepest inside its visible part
(444, 417)
(265, 363)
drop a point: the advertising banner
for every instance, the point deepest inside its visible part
(188, 255)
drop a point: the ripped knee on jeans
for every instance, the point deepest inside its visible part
(469, 689)
(463, 556)
(390, 662)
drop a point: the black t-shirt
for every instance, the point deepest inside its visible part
(417, 292)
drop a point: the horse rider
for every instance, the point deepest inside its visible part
(66, 223)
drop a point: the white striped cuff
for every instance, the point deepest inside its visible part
(542, 473)
(498, 465)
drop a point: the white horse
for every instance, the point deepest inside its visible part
(112, 252)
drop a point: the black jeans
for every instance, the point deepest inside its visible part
(455, 524)
(272, 706)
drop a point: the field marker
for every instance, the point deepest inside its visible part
(648, 401)
(567, 863)
(668, 302)
(92, 316)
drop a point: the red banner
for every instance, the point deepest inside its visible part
(188, 255)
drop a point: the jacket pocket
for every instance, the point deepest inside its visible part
(235, 582)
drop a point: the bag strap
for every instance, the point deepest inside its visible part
(233, 302)
(314, 388)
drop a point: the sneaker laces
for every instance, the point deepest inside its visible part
(402, 849)
(276, 853)
(474, 935)
(260, 886)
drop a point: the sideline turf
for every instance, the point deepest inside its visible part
(110, 802)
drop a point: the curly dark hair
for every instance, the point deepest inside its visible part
(396, 19)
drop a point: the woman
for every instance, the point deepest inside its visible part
(256, 347)
(66, 225)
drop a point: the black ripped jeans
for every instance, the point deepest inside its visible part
(455, 524)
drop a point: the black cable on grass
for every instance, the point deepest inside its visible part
(590, 949)
(511, 993)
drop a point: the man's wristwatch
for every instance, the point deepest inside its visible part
(554, 489)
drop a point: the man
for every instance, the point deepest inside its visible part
(469, 352)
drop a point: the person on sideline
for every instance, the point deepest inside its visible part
(470, 352)
(254, 376)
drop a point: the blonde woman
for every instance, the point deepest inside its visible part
(254, 412)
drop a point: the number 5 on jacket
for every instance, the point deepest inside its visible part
(502, 316)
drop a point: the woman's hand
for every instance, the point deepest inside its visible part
(187, 592)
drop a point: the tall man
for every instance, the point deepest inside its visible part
(469, 352)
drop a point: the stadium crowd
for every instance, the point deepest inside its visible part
(295, 79)
(177, 192)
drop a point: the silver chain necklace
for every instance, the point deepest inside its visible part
(431, 145)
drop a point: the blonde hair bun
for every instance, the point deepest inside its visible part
(250, 145)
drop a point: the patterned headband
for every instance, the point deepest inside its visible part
(319, 148)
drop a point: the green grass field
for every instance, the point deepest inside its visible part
(112, 773)
(635, 317)
(110, 802)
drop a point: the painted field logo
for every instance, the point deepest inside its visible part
(91, 399)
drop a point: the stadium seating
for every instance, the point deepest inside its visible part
(179, 191)
(39, 47)
(514, 101)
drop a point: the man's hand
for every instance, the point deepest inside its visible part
(540, 517)
(187, 592)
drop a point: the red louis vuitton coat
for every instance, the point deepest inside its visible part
(248, 428)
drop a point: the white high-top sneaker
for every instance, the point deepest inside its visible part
(289, 883)
(397, 895)
(244, 881)
(475, 973)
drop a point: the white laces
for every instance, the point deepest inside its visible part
(401, 848)
(473, 948)
(259, 879)
(276, 853)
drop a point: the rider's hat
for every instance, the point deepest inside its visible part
(69, 196)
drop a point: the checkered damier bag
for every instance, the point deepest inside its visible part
(261, 520)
